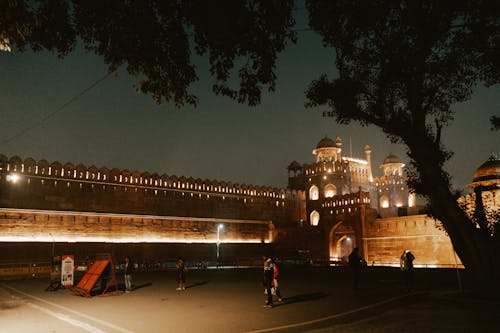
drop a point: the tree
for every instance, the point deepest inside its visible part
(155, 39)
(402, 64)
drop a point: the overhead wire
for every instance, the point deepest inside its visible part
(59, 109)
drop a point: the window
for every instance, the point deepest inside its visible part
(384, 202)
(330, 190)
(313, 193)
(314, 218)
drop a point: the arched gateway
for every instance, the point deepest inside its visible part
(341, 241)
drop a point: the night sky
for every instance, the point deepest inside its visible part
(111, 125)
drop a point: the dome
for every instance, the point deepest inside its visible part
(294, 166)
(488, 173)
(326, 142)
(391, 159)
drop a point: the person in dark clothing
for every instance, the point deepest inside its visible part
(355, 263)
(181, 274)
(406, 263)
(275, 283)
(268, 279)
(128, 268)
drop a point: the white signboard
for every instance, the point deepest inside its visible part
(67, 269)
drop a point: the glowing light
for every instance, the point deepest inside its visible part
(385, 204)
(411, 200)
(314, 193)
(129, 239)
(348, 239)
(399, 205)
(314, 218)
(4, 45)
(13, 178)
(355, 160)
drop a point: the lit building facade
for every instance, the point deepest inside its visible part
(330, 206)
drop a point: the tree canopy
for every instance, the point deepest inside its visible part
(156, 39)
(402, 64)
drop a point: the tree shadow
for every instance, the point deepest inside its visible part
(197, 284)
(301, 298)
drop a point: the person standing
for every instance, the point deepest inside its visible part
(355, 263)
(181, 269)
(128, 268)
(275, 283)
(268, 279)
(406, 263)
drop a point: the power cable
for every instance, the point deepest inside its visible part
(61, 108)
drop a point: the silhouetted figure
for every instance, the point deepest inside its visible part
(406, 263)
(355, 262)
(275, 283)
(181, 270)
(268, 279)
(128, 268)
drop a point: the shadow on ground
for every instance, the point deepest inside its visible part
(197, 284)
(302, 298)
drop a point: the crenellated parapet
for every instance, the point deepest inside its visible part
(69, 187)
(57, 171)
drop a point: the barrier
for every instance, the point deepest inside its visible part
(102, 269)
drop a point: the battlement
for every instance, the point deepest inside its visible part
(57, 171)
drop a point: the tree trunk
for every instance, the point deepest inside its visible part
(478, 250)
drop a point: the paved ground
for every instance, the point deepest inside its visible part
(317, 300)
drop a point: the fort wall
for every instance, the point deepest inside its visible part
(385, 240)
(65, 187)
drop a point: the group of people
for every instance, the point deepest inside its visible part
(271, 273)
(180, 269)
(356, 262)
(270, 279)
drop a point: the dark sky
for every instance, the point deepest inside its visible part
(113, 126)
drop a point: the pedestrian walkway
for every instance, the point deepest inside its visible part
(316, 300)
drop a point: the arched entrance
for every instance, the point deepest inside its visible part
(341, 242)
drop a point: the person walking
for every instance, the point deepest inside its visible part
(268, 279)
(355, 263)
(128, 268)
(406, 264)
(181, 269)
(275, 283)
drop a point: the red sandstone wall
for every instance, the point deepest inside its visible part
(386, 239)
(66, 187)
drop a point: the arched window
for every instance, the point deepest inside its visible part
(411, 200)
(313, 193)
(330, 190)
(314, 218)
(384, 201)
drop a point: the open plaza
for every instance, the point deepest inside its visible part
(315, 299)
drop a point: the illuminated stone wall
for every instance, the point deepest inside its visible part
(68, 188)
(56, 204)
(385, 240)
(49, 226)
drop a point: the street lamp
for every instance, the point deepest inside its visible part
(53, 244)
(219, 228)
